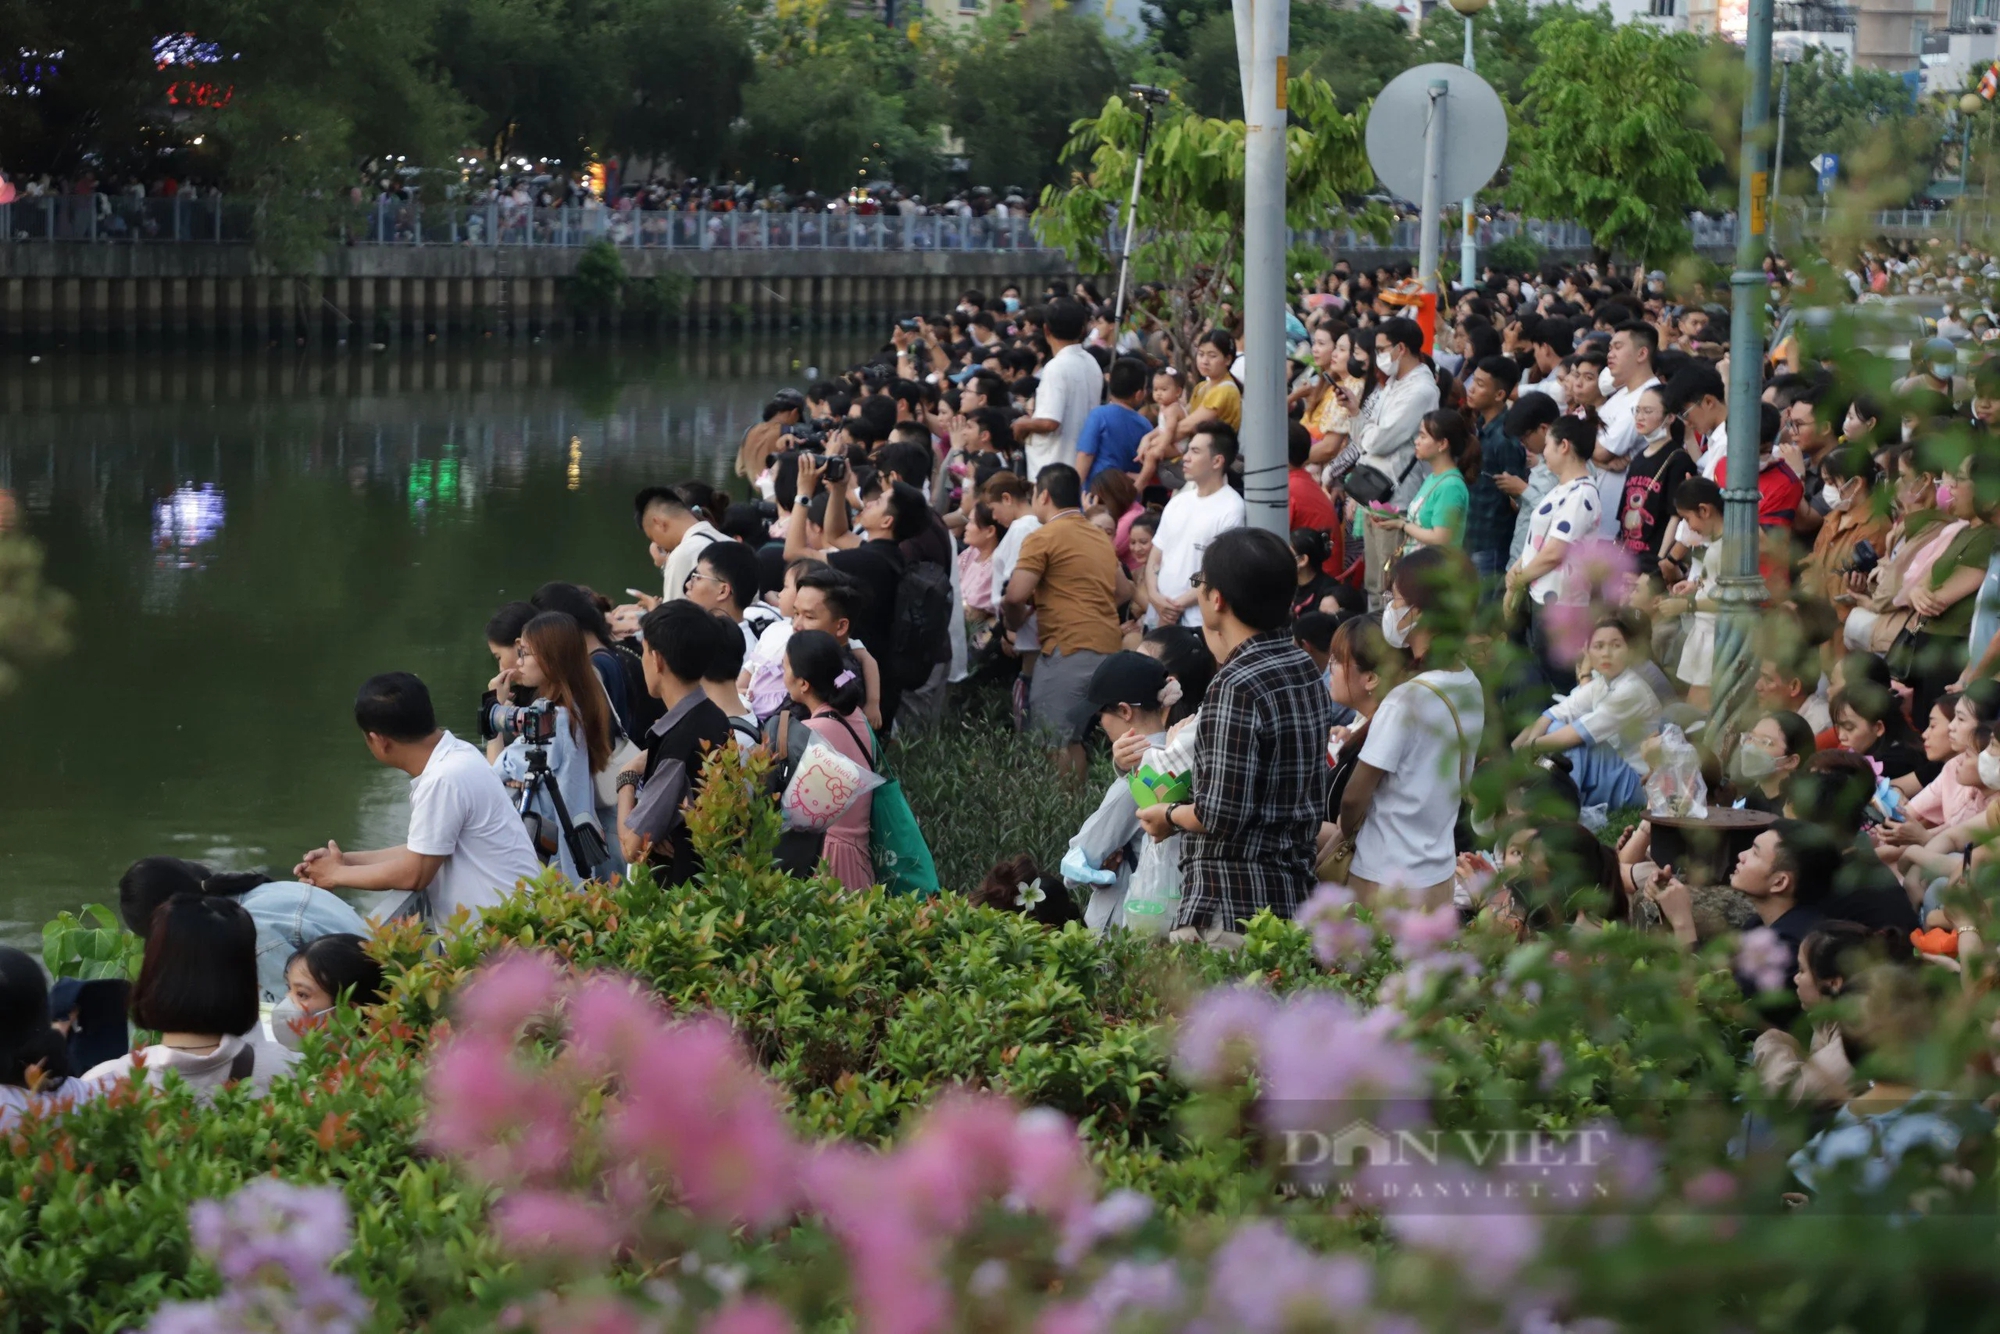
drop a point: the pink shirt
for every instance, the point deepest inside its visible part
(1945, 801)
(975, 578)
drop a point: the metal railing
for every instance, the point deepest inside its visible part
(215, 219)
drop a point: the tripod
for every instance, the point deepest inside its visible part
(586, 846)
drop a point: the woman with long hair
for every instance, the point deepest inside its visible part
(1435, 516)
(554, 661)
(1115, 490)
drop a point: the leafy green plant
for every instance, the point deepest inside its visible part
(92, 945)
(660, 297)
(1519, 253)
(598, 285)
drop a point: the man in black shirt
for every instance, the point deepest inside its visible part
(905, 460)
(893, 513)
(680, 639)
(1833, 791)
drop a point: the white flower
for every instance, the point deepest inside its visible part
(1028, 893)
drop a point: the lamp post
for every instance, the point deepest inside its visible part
(1468, 244)
(1741, 588)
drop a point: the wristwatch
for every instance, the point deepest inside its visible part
(1173, 806)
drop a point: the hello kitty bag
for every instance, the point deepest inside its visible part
(823, 784)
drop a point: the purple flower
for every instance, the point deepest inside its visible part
(749, 1315)
(1552, 1066)
(1765, 959)
(1261, 1281)
(1133, 1286)
(1223, 1026)
(272, 1242)
(1489, 1247)
(1339, 937)
(1420, 934)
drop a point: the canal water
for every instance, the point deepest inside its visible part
(245, 540)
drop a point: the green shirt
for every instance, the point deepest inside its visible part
(1973, 545)
(1441, 503)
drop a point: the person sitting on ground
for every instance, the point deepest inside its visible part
(1018, 886)
(34, 1064)
(1787, 872)
(1830, 961)
(1603, 724)
(1788, 682)
(1775, 748)
(1260, 752)
(1862, 719)
(680, 641)
(466, 847)
(289, 915)
(1566, 875)
(333, 970)
(197, 989)
(1129, 693)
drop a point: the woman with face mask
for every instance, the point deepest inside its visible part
(1661, 463)
(1602, 725)
(1853, 517)
(332, 971)
(1767, 756)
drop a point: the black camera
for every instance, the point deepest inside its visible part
(809, 435)
(910, 325)
(533, 723)
(1863, 560)
(833, 467)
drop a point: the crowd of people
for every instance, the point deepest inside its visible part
(1493, 629)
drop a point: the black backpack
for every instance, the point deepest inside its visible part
(920, 633)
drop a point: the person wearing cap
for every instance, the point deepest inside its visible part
(1129, 692)
(1934, 375)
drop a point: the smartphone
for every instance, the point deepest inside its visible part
(635, 593)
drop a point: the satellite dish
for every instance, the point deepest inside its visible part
(1475, 132)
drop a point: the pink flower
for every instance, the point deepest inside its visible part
(1069, 1318)
(1710, 1189)
(1420, 934)
(1319, 1049)
(694, 1105)
(1765, 959)
(1596, 573)
(749, 1315)
(545, 1222)
(1222, 1028)
(299, 1228)
(610, 1017)
(1047, 1168)
(1488, 1247)
(507, 992)
(492, 1115)
(893, 1264)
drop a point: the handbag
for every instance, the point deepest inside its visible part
(903, 862)
(1902, 655)
(624, 755)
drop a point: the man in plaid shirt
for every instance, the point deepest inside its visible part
(1260, 770)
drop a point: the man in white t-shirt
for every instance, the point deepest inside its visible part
(1206, 509)
(466, 846)
(677, 536)
(1070, 386)
(1630, 363)
(1401, 805)
(1010, 499)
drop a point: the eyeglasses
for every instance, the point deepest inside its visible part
(1198, 580)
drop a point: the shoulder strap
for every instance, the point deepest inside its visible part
(867, 751)
(1456, 726)
(244, 1065)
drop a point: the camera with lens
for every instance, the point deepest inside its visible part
(805, 435)
(910, 325)
(533, 723)
(1862, 561)
(833, 467)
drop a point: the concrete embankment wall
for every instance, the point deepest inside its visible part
(173, 293)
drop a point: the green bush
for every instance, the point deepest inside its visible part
(661, 297)
(1519, 253)
(598, 285)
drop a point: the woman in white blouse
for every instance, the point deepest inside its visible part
(1604, 722)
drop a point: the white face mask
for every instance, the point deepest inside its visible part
(1754, 763)
(1392, 626)
(287, 1018)
(1989, 769)
(1605, 384)
(1386, 362)
(1830, 493)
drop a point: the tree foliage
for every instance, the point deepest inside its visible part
(1605, 138)
(1191, 210)
(1014, 95)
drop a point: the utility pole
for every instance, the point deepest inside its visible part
(1741, 588)
(1262, 36)
(1468, 243)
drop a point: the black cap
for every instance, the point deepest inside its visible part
(1126, 678)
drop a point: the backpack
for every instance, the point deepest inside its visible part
(920, 631)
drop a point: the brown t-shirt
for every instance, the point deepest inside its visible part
(1076, 602)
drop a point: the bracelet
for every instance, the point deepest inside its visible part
(631, 778)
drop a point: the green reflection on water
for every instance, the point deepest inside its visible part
(247, 539)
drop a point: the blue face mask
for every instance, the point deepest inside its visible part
(1013, 303)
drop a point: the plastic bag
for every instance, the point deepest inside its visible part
(1675, 786)
(824, 787)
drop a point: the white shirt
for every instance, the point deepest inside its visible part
(1070, 386)
(1620, 437)
(459, 811)
(1189, 523)
(1567, 514)
(1622, 711)
(1004, 558)
(681, 560)
(1407, 837)
(1389, 421)
(208, 1072)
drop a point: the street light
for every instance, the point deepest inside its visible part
(1468, 246)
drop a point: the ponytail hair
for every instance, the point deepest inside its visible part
(1579, 433)
(151, 881)
(817, 659)
(1458, 439)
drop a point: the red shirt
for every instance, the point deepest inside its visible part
(1779, 491)
(1308, 506)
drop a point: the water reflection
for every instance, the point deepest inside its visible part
(247, 539)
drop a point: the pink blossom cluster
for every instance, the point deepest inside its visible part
(1597, 573)
(1341, 940)
(273, 1243)
(1765, 959)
